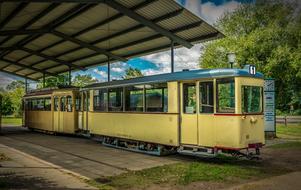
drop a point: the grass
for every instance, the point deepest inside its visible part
(177, 174)
(11, 121)
(290, 130)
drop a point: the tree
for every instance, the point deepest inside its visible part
(15, 84)
(83, 80)
(53, 81)
(266, 34)
(132, 73)
(6, 106)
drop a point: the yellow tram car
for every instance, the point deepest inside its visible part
(199, 112)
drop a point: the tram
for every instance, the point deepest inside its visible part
(199, 112)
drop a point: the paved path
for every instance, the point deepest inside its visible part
(80, 155)
(23, 171)
(291, 181)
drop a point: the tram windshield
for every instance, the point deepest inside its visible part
(251, 99)
(225, 96)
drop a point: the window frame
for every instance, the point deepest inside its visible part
(184, 97)
(261, 100)
(157, 86)
(223, 81)
(200, 98)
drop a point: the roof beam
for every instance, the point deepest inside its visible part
(13, 73)
(119, 7)
(23, 32)
(87, 45)
(101, 23)
(158, 19)
(73, 12)
(51, 58)
(19, 8)
(156, 36)
(201, 38)
(33, 20)
(55, 1)
(26, 66)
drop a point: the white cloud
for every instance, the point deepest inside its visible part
(103, 74)
(211, 12)
(184, 59)
(117, 69)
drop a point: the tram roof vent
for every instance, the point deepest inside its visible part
(185, 70)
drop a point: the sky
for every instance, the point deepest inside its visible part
(209, 10)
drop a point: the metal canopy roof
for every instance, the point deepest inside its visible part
(49, 37)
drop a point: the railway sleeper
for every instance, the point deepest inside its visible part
(139, 146)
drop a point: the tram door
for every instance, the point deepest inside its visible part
(189, 121)
(56, 114)
(86, 103)
(62, 114)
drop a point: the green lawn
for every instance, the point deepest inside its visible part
(290, 130)
(178, 174)
(11, 121)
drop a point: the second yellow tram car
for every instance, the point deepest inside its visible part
(200, 112)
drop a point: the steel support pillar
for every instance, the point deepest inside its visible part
(109, 70)
(69, 75)
(43, 80)
(26, 84)
(172, 56)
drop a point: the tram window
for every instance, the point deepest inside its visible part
(134, 98)
(156, 96)
(63, 104)
(225, 96)
(78, 103)
(189, 92)
(206, 97)
(251, 99)
(115, 99)
(100, 100)
(56, 103)
(69, 104)
(47, 104)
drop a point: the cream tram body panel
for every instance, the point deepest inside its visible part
(160, 128)
(236, 130)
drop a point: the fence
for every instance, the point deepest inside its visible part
(288, 119)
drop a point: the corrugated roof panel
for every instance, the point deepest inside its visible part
(12, 68)
(88, 18)
(77, 54)
(3, 64)
(90, 60)
(24, 71)
(143, 46)
(158, 8)
(31, 59)
(129, 3)
(13, 40)
(124, 39)
(15, 55)
(45, 64)
(24, 16)
(36, 75)
(43, 41)
(52, 15)
(6, 9)
(59, 68)
(60, 48)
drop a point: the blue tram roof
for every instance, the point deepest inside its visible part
(182, 75)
